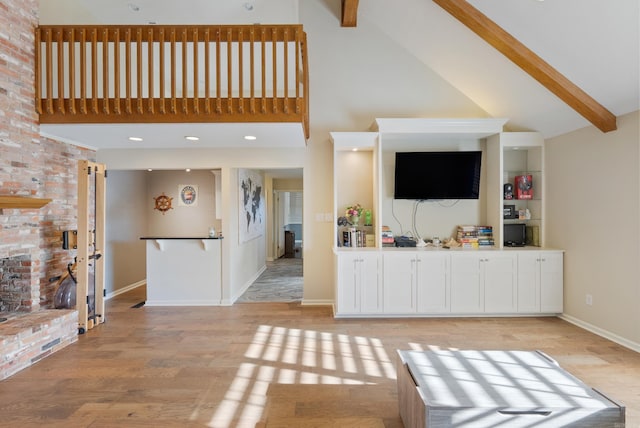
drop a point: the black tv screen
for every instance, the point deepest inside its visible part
(437, 175)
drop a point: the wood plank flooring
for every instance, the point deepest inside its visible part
(272, 365)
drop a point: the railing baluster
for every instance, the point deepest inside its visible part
(38, 71)
(83, 71)
(173, 70)
(240, 73)
(263, 37)
(127, 54)
(297, 48)
(116, 69)
(139, 69)
(274, 43)
(72, 71)
(60, 42)
(252, 90)
(105, 70)
(150, 66)
(207, 72)
(229, 72)
(218, 95)
(286, 70)
(49, 71)
(196, 92)
(185, 87)
(161, 82)
(94, 71)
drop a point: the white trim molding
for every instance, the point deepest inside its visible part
(123, 290)
(601, 332)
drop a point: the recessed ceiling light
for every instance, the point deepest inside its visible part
(135, 139)
(191, 138)
(250, 137)
(149, 169)
(188, 169)
(355, 149)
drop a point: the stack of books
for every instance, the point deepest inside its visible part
(475, 236)
(387, 237)
(353, 237)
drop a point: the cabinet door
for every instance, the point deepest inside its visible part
(551, 282)
(528, 281)
(399, 282)
(432, 285)
(348, 290)
(370, 283)
(499, 278)
(466, 293)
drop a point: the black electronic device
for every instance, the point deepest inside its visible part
(404, 241)
(437, 175)
(509, 212)
(514, 235)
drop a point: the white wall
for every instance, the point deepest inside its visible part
(125, 261)
(181, 221)
(593, 212)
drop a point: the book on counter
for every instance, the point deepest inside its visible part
(475, 236)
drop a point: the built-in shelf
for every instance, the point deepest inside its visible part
(22, 202)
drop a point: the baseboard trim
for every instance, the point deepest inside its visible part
(316, 302)
(601, 332)
(125, 289)
(247, 284)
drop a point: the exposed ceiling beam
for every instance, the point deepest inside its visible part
(531, 63)
(349, 13)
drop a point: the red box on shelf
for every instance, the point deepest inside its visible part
(524, 187)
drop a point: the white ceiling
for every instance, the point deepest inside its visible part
(595, 43)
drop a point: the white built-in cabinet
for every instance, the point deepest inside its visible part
(406, 282)
(540, 283)
(483, 282)
(445, 282)
(415, 282)
(359, 288)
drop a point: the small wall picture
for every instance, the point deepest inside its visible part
(188, 195)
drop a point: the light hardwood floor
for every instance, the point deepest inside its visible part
(273, 365)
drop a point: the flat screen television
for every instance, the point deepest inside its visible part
(437, 175)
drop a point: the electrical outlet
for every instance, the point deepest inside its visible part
(589, 299)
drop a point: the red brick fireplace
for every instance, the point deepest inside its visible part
(31, 239)
(19, 287)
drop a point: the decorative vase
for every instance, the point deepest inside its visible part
(355, 220)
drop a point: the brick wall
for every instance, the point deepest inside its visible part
(31, 165)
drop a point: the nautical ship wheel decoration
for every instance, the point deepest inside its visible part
(163, 203)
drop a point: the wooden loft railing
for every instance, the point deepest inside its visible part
(163, 74)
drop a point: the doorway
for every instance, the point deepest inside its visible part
(282, 280)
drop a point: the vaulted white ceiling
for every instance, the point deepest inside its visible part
(594, 43)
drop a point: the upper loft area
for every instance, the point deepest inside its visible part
(142, 74)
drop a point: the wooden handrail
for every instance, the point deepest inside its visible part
(128, 74)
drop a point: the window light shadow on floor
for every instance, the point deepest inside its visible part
(329, 359)
(276, 354)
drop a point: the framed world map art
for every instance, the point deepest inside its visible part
(251, 209)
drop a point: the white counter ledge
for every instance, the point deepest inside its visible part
(184, 271)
